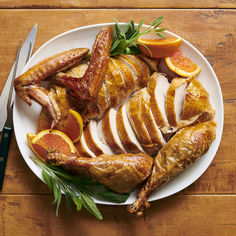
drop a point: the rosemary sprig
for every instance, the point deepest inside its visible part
(77, 189)
(125, 42)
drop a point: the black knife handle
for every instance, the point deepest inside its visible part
(4, 146)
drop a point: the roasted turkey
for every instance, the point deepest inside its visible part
(120, 173)
(130, 112)
(183, 149)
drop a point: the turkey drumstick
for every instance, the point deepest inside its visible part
(120, 173)
(183, 149)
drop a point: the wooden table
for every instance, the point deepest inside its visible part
(207, 207)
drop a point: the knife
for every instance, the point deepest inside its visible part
(25, 54)
(7, 98)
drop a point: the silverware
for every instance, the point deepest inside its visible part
(25, 54)
(8, 96)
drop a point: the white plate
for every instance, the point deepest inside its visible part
(25, 117)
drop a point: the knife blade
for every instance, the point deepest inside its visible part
(25, 54)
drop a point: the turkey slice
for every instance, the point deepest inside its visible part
(133, 109)
(120, 82)
(111, 88)
(82, 148)
(147, 116)
(145, 72)
(197, 106)
(151, 62)
(157, 87)
(128, 76)
(126, 133)
(103, 100)
(80, 70)
(110, 132)
(175, 100)
(135, 69)
(102, 139)
(93, 141)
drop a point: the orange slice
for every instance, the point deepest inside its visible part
(182, 65)
(29, 137)
(159, 47)
(50, 139)
(73, 126)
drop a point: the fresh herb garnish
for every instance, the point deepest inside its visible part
(77, 189)
(125, 42)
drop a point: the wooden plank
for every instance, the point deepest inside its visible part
(213, 37)
(117, 4)
(177, 215)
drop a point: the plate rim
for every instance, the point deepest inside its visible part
(219, 126)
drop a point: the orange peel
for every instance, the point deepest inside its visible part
(182, 65)
(50, 139)
(73, 126)
(159, 47)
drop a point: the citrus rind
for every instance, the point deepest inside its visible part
(179, 71)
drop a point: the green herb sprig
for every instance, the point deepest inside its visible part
(125, 42)
(76, 189)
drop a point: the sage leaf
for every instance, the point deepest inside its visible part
(55, 192)
(114, 197)
(58, 201)
(161, 35)
(125, 42)
(68, 202)
(89, 204)
(78, 203)
(47, 179)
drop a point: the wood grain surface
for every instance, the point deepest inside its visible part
(207, 207)
(177, 215)
(117, 4)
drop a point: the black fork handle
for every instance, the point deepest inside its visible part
(4, 146)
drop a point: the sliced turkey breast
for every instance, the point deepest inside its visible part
(160, 137)
(175, 100)
(68, 73)
(126, 133)
(133, 109)
(127, 75)
(80, 69)
(151, 62)
(105, 146)
(145, 72)
(110, 132)
(111, 88)
(120, 82)
(103, 100)
(157, 88)
(82, 148)
(134, 67)
(147, 116)
(197, 106)
(76, 71)
(92, 139)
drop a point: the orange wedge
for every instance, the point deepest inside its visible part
(181, 65)
(73, 126)
(50, 139)
(159, 47)
(29, 137)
